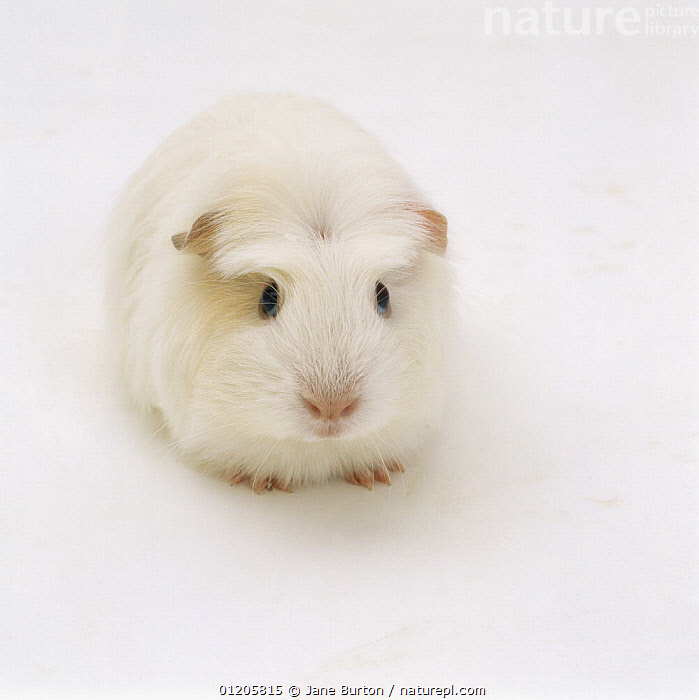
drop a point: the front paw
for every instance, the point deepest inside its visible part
(367, 477)
(259, 484)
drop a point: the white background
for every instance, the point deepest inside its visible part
(545, 544)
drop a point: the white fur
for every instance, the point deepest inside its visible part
(317, 205)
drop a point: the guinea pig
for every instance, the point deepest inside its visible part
(279, 295)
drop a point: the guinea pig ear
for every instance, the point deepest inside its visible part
(199, 238)
(436, 228)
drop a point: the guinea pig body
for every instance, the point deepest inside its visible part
(278, 294)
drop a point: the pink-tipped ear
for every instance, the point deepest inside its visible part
(436, 227)
(199, 238)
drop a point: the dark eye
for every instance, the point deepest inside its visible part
(383, 299)
(269, 300)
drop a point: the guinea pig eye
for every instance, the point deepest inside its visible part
(382, 299)
(269, 300)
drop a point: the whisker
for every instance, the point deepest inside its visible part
(264, 461)
(393, 456)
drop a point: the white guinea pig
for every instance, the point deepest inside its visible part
(279, 295)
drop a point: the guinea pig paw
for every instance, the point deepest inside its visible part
(382, 476)
(367, 478)
(269, 484)
(259, 484)
(238, 478)
(281, 485)
(361, 478)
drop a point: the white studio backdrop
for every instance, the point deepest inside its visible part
(544, 545)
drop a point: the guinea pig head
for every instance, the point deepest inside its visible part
(321, 329)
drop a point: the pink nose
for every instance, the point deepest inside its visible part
(331, 409)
